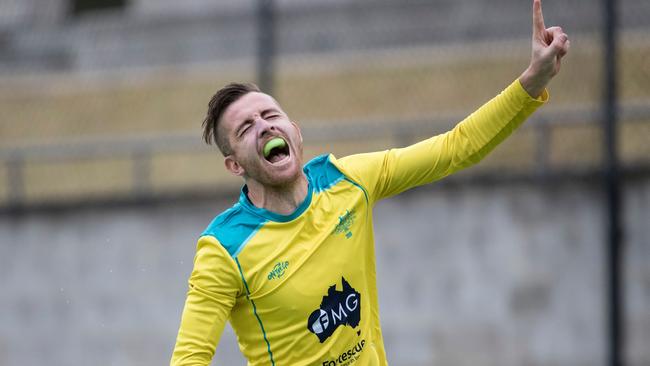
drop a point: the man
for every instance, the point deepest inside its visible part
(292, 264)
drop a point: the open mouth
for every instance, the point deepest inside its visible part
(276, 150)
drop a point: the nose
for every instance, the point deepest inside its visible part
(264, 127)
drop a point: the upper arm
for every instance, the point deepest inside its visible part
(213, 289)
(386, 173)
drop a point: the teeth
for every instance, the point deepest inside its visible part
(272, 144)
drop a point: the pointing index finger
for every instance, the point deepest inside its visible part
(538, 18)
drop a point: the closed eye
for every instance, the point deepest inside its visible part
(245, 127)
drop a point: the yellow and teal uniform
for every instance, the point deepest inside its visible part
(301, 289)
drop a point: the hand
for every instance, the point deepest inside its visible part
(549, 46)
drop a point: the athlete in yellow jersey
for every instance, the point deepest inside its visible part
(292, 264)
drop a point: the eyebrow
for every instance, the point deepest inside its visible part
(269, 110)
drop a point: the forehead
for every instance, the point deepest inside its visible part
(247, 106)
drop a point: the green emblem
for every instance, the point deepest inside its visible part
(345, 222)
(278, 270)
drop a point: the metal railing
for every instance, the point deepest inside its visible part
(141, 150)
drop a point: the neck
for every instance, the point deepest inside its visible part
(282, 200)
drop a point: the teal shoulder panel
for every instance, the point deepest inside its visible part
(234, 228)
(322, 173)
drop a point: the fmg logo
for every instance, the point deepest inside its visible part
(338, 308)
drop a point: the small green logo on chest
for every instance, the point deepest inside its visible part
(278, 270)
(345, 222)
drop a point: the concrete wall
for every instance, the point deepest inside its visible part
(504, 274)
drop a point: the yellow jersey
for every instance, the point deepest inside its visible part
(301, 289)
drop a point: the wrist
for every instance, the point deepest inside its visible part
(532, 82)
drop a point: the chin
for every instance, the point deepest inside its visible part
(282, 176)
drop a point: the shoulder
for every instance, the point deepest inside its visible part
(233, 228)
(323, 172)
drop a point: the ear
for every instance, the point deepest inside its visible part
(233, 166)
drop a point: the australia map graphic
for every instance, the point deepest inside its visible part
(338, 308)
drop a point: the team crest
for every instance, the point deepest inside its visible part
(345, 222)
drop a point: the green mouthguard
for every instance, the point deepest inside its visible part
(272, 144)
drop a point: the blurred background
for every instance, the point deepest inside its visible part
(105, 184)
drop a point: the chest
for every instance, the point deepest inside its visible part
(330, 240)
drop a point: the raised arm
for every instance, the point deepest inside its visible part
(390, 172)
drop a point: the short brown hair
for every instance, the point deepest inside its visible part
(223, 98)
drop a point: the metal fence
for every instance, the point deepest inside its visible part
(141, 152)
